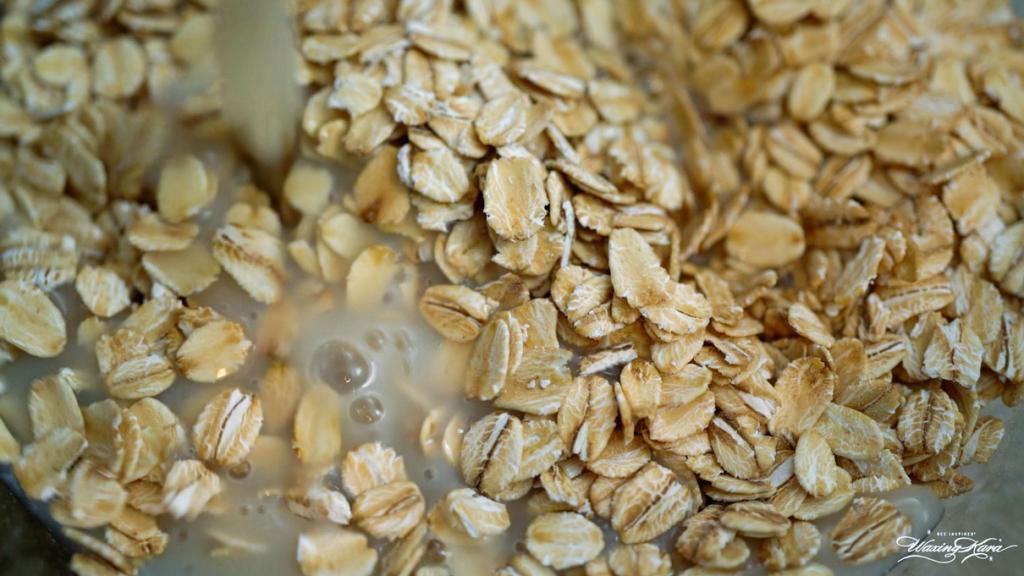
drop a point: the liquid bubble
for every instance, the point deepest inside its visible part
(367, 409)
(375, 339)
(341, 365)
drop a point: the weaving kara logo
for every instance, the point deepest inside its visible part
(949, 547)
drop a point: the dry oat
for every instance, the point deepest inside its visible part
(636, 271)
(815, 465)
(850, 433)
(438, 175)
(649, 504)
(502, 120)
(793, 549)
(926, 422)
(707, 543)
(639, 560)
(807, 324)
(514, 197)
(119, 68)
(586, 419)
(869, 530)
(805, 389)
(755, 519)
(563, 540)
(746, 240)
(987, 435)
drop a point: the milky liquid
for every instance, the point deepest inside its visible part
(401, 371)
(402, 376)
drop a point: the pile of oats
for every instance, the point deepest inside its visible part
(717, 268)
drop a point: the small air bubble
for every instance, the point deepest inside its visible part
(436, 552)
(240, 471)
(340, 364)
(376, 339)
(402, 341)
(367, 409)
